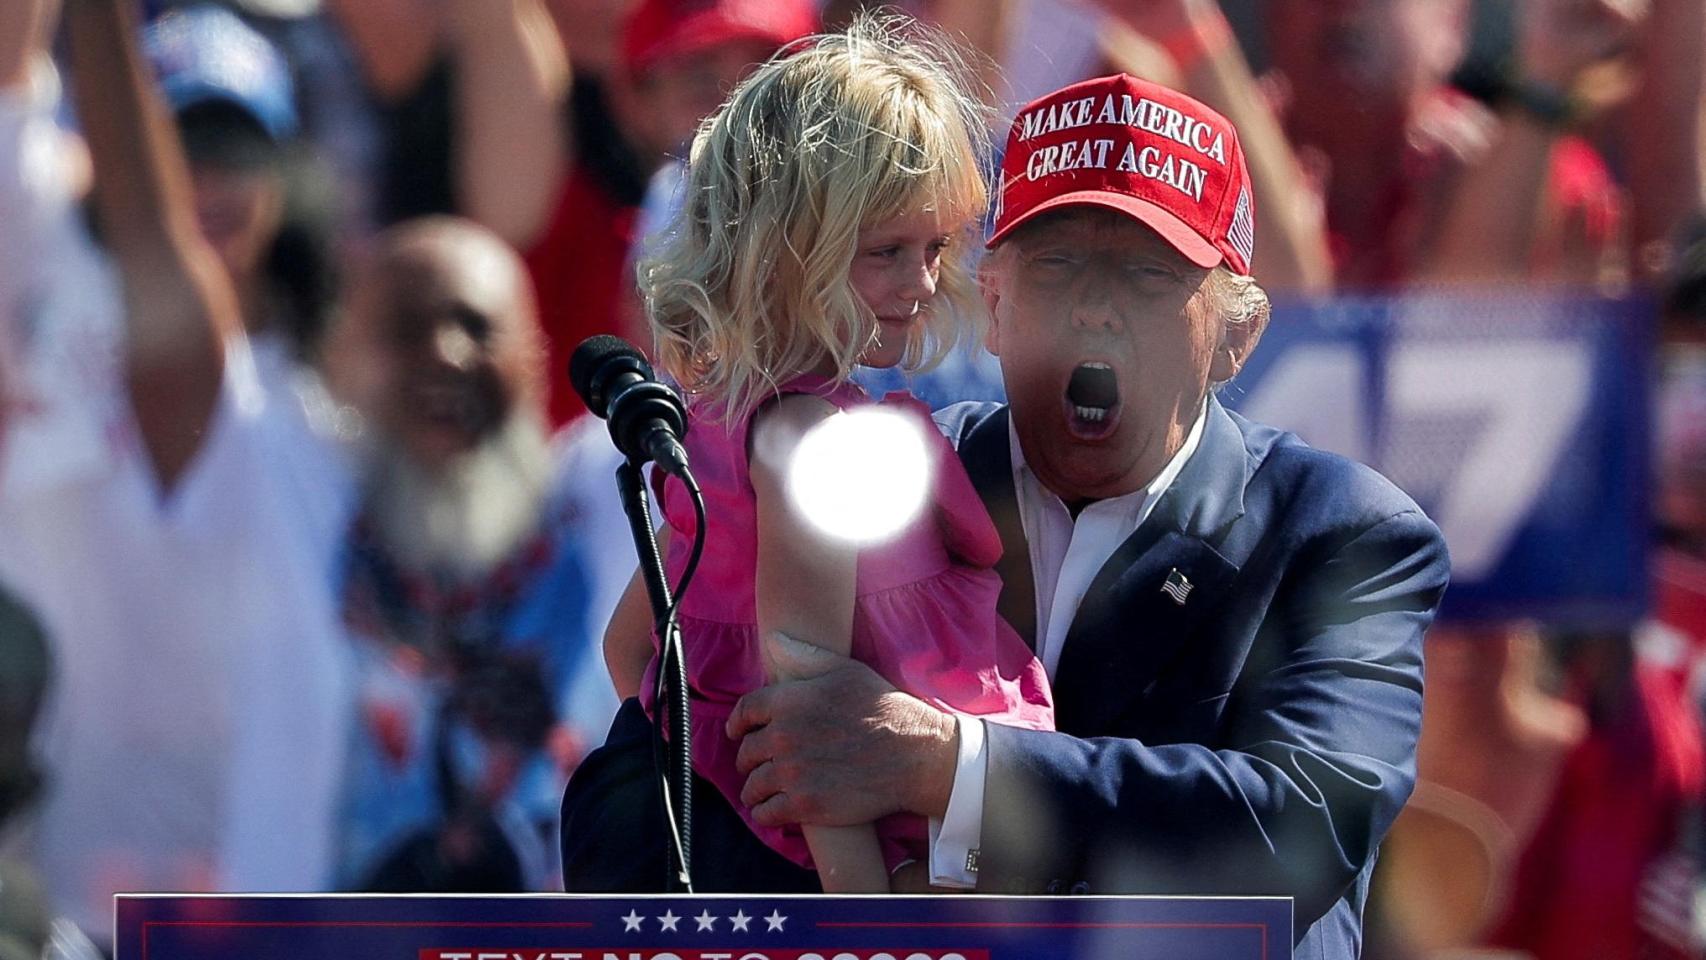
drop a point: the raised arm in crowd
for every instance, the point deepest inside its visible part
(1196, 42)
(179, 305)
(511, 78)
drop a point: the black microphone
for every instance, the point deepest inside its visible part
(647, 419)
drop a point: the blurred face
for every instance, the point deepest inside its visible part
(444, 329)
(1384, 50)
(682, 91)
(1105, 367)
(894, 272)
(239, 212)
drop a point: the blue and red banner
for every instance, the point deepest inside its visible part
(570, 927)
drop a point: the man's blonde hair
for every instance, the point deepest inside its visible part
(1234, 297)
(854, 128)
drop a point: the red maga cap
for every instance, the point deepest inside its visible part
(661, 29)
(1151, 153)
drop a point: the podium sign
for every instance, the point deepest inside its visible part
(712, 927)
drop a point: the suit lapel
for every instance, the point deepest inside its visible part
(1128, 627)
(987, 454)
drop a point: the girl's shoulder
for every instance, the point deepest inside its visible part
(802, 402)
(778, 425)
(791, 412)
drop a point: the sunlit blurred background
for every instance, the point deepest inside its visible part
(1481, 222)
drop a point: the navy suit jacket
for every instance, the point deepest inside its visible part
(1257, 738)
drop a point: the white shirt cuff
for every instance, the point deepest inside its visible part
(954, 838)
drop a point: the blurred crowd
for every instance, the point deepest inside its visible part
(306, 547)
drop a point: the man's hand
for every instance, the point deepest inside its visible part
(838, 745)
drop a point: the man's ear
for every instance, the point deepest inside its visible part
(1237, 342)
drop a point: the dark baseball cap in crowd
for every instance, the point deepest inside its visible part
(205, 56)
(1151, 153)
(662, 29)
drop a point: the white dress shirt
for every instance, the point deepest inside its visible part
(1066, 554)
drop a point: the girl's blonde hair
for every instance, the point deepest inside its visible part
(852, 128)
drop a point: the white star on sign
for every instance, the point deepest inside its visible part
(631, 922)
(775, 920)
(740, 920)
(667, 921)
(705, 920)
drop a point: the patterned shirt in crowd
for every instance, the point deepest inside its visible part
(475, 702)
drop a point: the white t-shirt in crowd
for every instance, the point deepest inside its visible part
(194, 737)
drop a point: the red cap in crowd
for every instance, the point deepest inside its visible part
(661, 29)
(1149, 152)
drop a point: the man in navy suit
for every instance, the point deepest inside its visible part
(1232, 621)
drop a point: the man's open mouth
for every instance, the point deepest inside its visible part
(1092, 401)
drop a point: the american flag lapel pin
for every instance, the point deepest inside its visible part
(1176, 586)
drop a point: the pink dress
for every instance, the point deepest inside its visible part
(923, 615)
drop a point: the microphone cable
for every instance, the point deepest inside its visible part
(672, 660)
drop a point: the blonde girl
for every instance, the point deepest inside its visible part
(826, 212)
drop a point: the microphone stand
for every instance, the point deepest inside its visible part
(677, 783)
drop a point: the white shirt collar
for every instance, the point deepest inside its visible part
(1066, 554)
(1067, 551)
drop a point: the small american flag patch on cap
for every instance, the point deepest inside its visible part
(1242, 232)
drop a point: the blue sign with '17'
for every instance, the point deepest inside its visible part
(570, 927)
